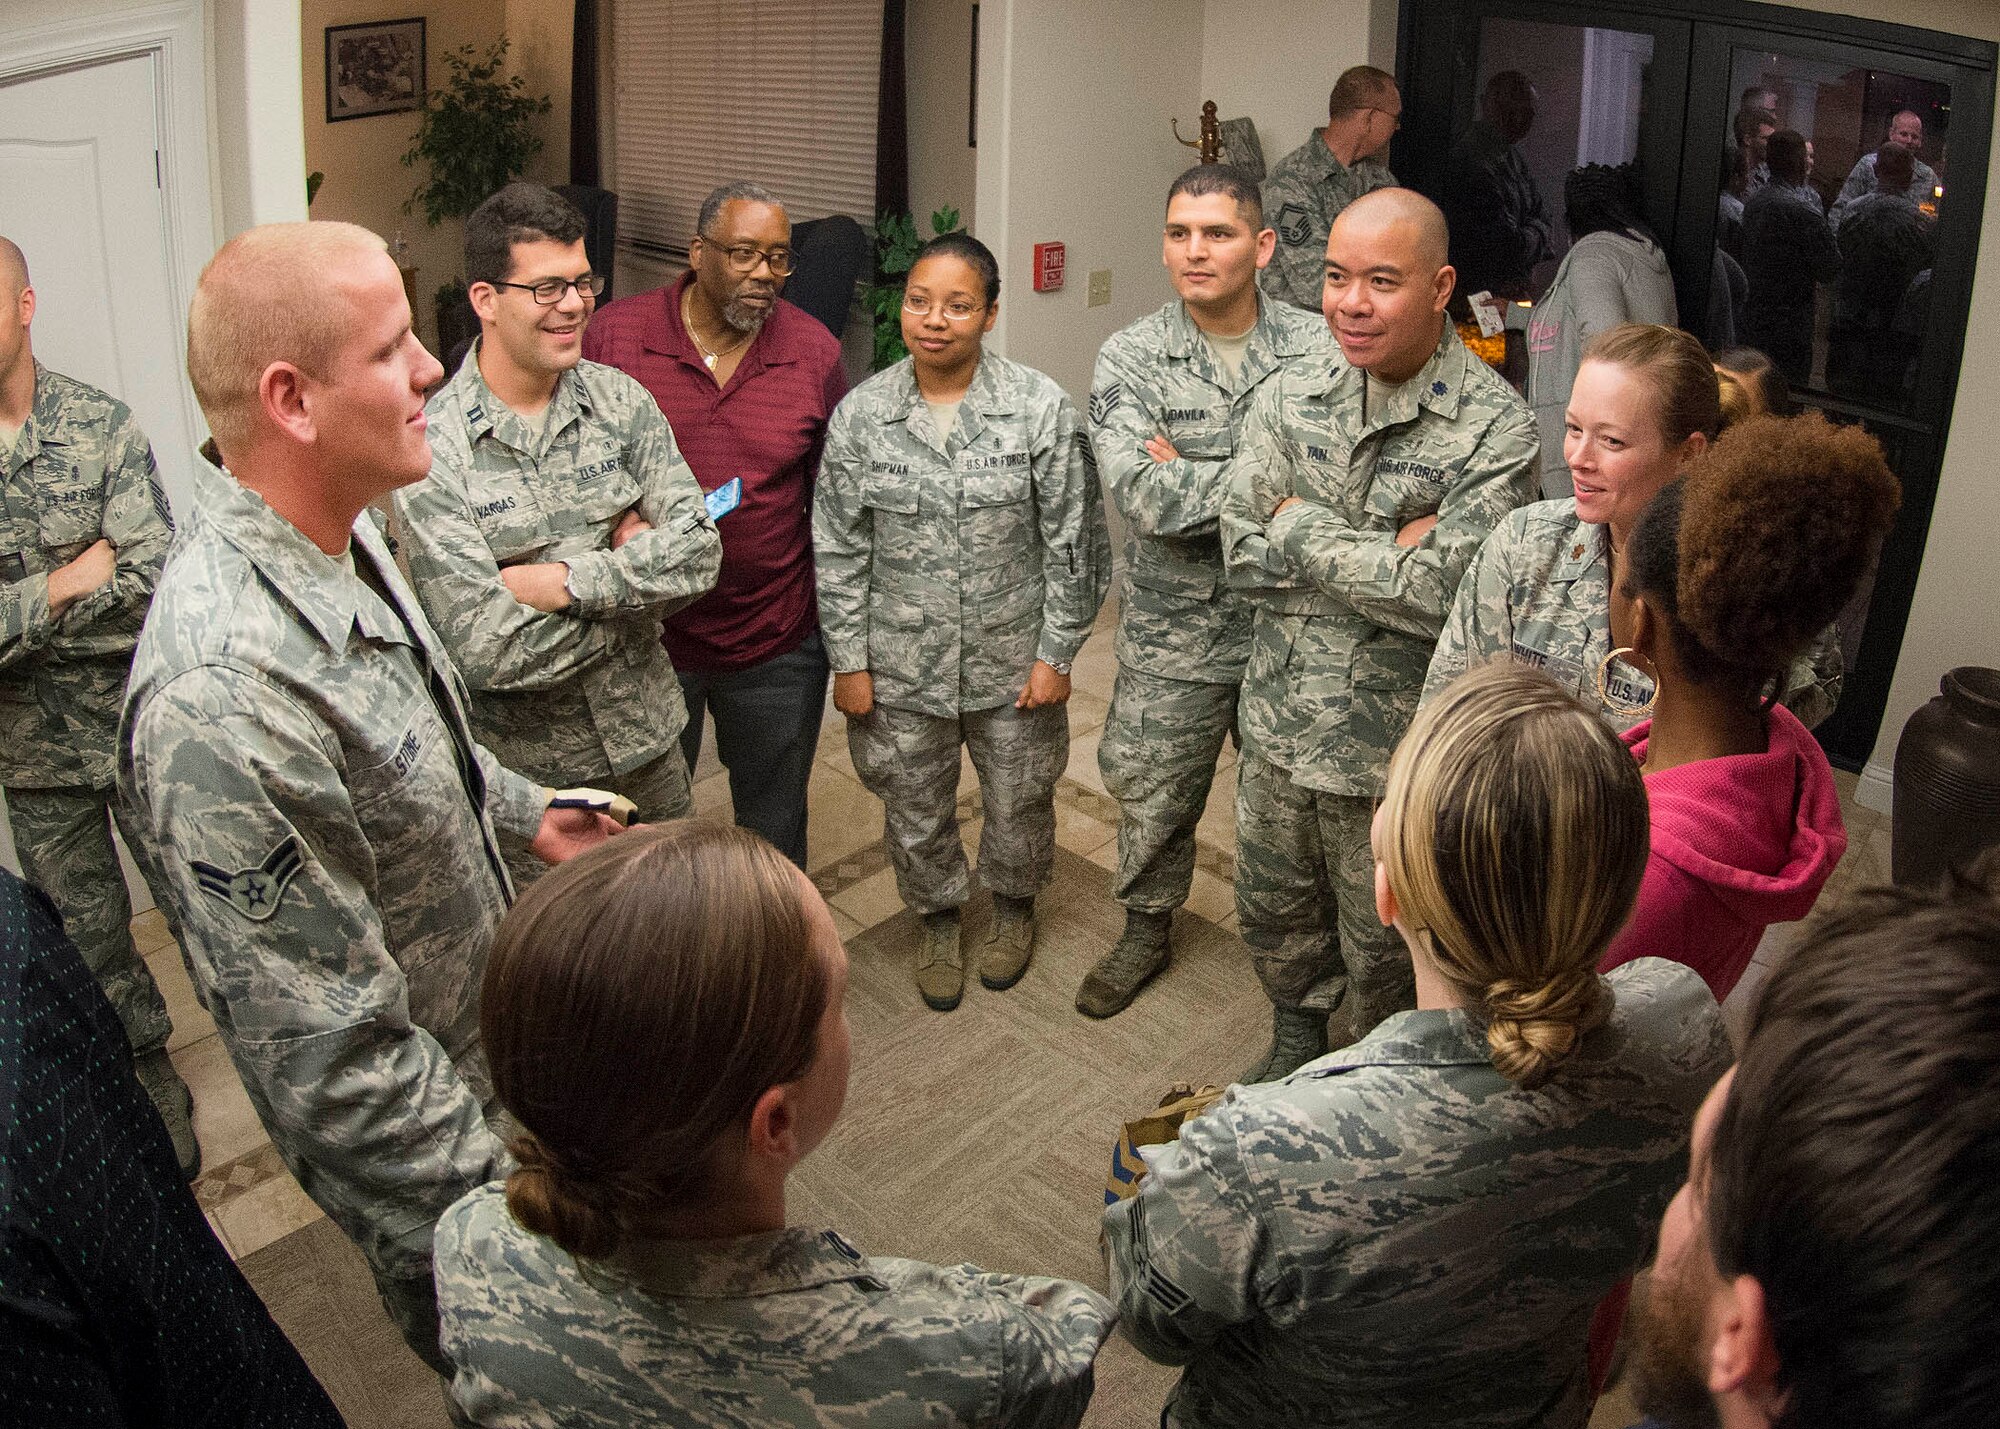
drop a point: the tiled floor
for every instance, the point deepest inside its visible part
(252, 1201)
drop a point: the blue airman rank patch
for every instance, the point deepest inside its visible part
(253, 892)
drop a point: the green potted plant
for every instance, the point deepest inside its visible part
(475, 135)
(896, 245)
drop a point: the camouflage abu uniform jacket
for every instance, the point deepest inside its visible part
(297, 753)
(1398, 1230)
(1539, 589)
(946, 569)
(795, 1327)
(80, 471)
(1346, 618)
(590, 685)
(1303, 194)
(1178, 617)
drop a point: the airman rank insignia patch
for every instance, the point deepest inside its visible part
(253, 892)
(1104, 401)
(1293, 223)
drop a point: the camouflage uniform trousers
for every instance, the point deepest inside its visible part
(909, 761)
(1305, 899)
(64, 839)
(660, 789)
(1161, 740)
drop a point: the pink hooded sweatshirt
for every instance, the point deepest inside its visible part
(1739, 843)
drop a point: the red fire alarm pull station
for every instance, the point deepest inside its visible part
(1048, 267)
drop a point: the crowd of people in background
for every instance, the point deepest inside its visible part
(1522, 689)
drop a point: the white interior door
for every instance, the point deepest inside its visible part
(80, 192)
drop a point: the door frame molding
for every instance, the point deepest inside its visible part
(175, 36)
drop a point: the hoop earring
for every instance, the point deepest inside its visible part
(1617, 707)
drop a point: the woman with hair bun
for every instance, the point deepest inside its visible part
(665, 1019)
(1751, 386)
(1731, 571)
(1646, 401)
(1413, 1231)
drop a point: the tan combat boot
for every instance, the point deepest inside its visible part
(1010, 942)
(940, 961)
(1298, 1035)
(1133, 961)
(170, 1096)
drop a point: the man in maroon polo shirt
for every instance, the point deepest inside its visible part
(747, 381)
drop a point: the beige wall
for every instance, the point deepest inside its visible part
(943, 166)
(542, 31)
(1286, 99)
(366, 182)
(1074, 145)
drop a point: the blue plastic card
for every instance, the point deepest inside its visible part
(725, 498)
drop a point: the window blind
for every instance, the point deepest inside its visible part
(706, 92)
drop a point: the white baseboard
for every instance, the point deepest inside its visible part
(1876, 788)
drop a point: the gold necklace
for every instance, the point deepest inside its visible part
(711, 358)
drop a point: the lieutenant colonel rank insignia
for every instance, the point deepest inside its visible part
(1294, 225)
(253, 892)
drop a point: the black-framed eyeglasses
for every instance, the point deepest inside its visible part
(550, 291)
(744, 258)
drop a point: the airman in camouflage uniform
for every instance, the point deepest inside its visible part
(1398, 1231)
(793, 1327)
(328, 829)
(1183, 634)
(546, 551)
(78, 486)
(947, 567)
(1346, 619)
(1309, 187)
(585, 695)
(297, 753)
(1539, 590)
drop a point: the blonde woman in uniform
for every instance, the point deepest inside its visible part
(1646, 401)
(1416, 1229)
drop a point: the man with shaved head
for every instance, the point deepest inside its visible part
(1918, 184)
(1359, 492)
(297, 755)
(84, 527)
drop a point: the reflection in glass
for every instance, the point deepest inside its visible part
(1551, 98)
(1613, 273)
(1835, 252)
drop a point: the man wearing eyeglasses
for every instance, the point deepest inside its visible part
(748, 381)
(558, 527)
(1306, 190)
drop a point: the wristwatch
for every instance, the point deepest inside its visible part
(1060, 667)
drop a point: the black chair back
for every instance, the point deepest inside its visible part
(831, 254)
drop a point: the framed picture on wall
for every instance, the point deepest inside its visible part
(374, 69)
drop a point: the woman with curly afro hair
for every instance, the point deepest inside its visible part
(1731, 572)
